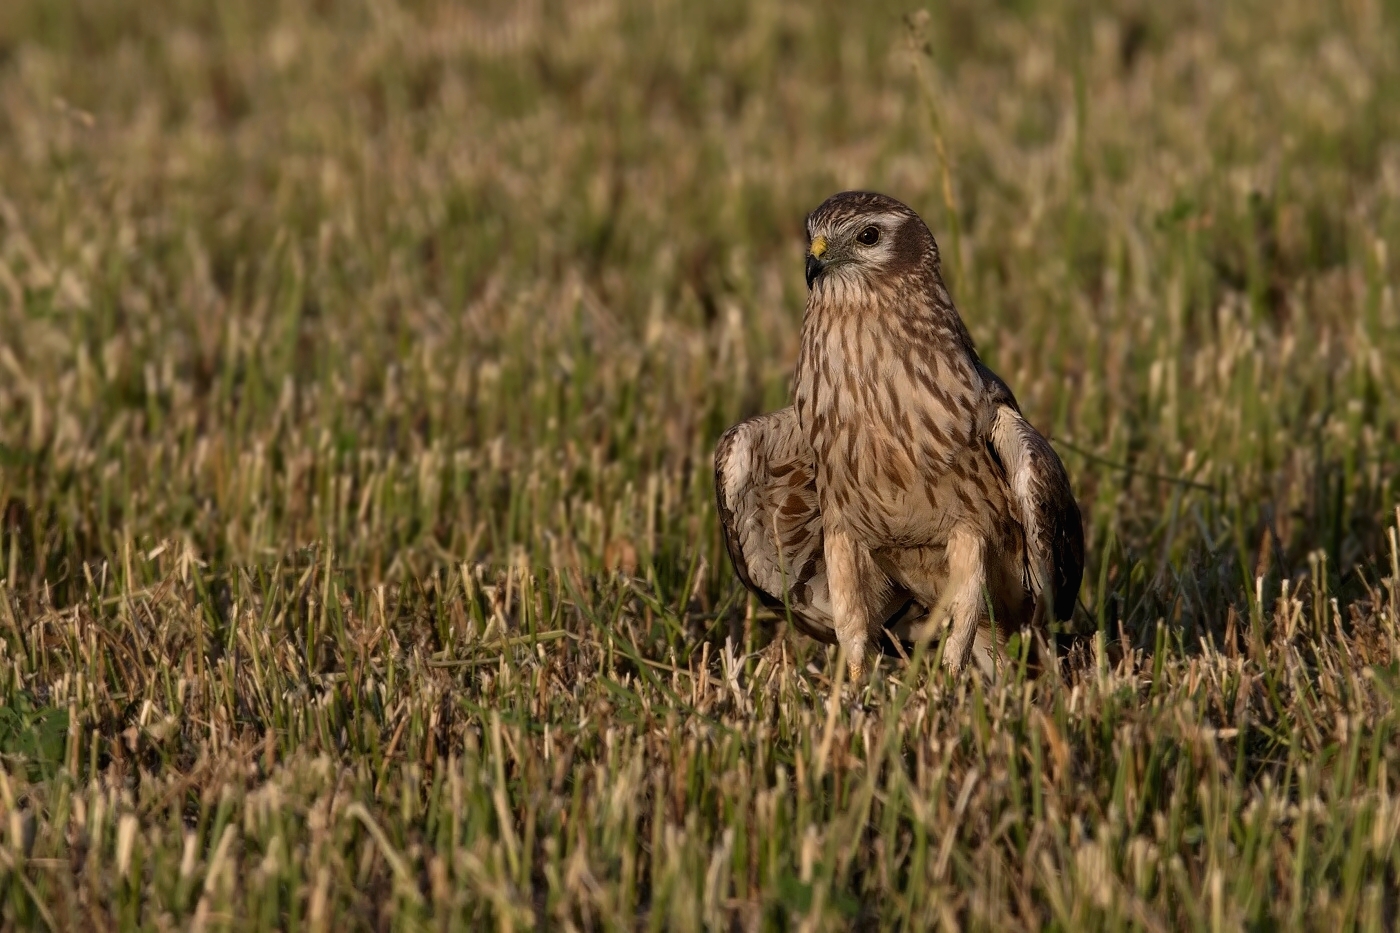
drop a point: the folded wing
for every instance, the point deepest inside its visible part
(766, 490)
(1049, 515)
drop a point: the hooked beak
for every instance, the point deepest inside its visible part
(814, 259)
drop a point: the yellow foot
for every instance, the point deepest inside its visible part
(855, 670)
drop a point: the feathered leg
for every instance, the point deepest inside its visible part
(962, 605)
(862, 598)
(848, 606)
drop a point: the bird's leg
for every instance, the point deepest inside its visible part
(849, 607)
(962, 604)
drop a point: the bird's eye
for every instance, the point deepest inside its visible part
(869, 236)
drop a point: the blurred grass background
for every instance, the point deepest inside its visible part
(360, 365)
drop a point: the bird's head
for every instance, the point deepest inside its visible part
(862, 239)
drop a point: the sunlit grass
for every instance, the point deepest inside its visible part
(360, 365)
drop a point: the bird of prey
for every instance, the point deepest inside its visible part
(902, 492)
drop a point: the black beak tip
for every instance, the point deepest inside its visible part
(814, 269)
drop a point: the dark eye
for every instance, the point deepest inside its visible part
(869, 236)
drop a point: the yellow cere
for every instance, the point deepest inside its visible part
(818, 246)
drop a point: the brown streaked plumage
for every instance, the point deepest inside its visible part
(903, 489)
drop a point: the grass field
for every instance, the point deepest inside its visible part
(360, 367)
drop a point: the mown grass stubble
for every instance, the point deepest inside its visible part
(359, 369)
